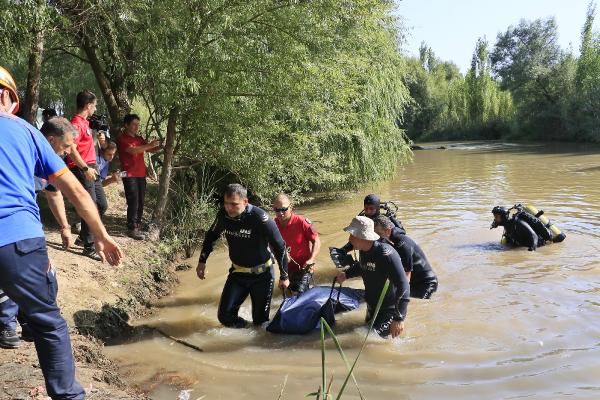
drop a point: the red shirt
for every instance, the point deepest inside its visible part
(133, 164)
(84, 141)
(297, 235)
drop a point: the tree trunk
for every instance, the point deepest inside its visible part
(34, 75)
(116, 98)
(165, 177)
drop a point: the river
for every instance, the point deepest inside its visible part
(504, 324)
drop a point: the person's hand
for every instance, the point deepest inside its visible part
(91, 174)
(309, 266)
(154, 143)
(201, 270)
(283, 284)
(396, 328)
(67, 239)
(341, 277)
(117, 176)
(102, 139)
(108, 250)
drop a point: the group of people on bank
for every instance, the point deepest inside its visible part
(256, 242)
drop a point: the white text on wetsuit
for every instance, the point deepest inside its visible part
(242, 233)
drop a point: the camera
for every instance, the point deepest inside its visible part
(99, 122)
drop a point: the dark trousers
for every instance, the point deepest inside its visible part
(423, 289)
(383, 322)
(135, 192)
(26, 278)
(96, 192)
(8, 313)
(237, 288)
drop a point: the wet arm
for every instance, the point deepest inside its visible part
(398, 279)
(211, 236)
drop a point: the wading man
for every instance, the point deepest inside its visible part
(25, 272)
(423, 282)
(301, 240)
(378, 263)
(253, 239)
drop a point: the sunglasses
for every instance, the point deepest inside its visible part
(280, 210)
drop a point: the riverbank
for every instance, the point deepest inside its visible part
(96, 300)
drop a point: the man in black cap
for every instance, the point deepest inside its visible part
(372, 208)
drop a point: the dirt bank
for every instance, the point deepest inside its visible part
(95, 299)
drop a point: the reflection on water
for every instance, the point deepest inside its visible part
(504, 324)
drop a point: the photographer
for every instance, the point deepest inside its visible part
(82, 162)
(131, 153)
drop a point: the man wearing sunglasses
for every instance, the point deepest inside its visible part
(302, 242)
(251, 237)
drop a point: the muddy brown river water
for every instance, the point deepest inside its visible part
(504, 324)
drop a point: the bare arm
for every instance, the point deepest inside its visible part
(314, 251)
(143, 148)
(57, 206)
(105, 246)
(91, 173)
(76, 157)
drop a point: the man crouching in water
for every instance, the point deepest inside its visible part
(378, 262)
(249, 232)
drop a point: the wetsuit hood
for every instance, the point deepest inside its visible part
(372, 199)
(503, 212)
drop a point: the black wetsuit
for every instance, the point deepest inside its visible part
(423, 282)
(249, 237)
(375, 266)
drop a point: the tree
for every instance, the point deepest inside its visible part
(527, 60)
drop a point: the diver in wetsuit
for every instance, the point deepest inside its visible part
(249, 232)
(423, 282)
(372, 208)
(518, 230)
(378, 262)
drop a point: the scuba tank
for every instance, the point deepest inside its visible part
(557, 235)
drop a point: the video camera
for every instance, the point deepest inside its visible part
(99, 122)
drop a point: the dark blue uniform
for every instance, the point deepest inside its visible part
(423, 282)
(377, 265)
(249, 238)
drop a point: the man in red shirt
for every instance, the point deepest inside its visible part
(131, 153)
(301, 240)
(82, 162)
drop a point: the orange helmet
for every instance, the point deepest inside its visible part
(7, 82)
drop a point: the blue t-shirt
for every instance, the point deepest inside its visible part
(102, 167)
(24, 153)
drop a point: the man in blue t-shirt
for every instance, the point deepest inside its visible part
(25, 273)
(59, 132)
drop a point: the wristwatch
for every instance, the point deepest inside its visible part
(84, 169)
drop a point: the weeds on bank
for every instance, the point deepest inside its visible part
(324, 390)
